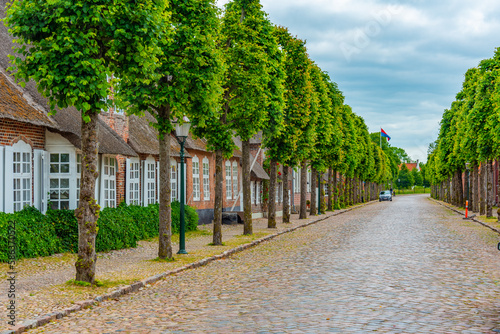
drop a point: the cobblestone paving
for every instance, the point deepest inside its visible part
(407, 266)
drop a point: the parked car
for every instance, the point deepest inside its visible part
(385, 195)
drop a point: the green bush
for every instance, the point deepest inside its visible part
(190, 217)
(57, 231)
(35, 235)
(66, 228)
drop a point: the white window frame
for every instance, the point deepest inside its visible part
(296, 181)
(235, 179)
(229, 193)
(257, 192)
(174, 190)
(149, 181)
(2, 174)
(206, 179)
(252, 192)
(309, 174)
(109, 166)
(22, 196)
(133, 181)
(195, 168)
(57, 177)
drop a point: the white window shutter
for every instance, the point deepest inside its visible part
(98, 186)
(8, 181)
(45, 180)
(127, 181)
(2, 175)
(179, 182)
(157, 188)
(38, 179)
(143, 182)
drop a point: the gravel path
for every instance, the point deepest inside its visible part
(407, 266)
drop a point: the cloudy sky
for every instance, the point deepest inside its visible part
(398, 63)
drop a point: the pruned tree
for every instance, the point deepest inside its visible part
(69, 48)
(187, 82)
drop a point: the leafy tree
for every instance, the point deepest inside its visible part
(69, 48)
(253, 59)
(292, 141)
(405, 178)
(417, 177)
(186, 82)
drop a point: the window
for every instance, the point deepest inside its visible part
(78, 177)
(308, 180)
(258, 195)
(206, 179)
(196, 179)
(149, 181)
(229, 193)
(252, 192)
(59, 180)
(109, 179)
(173, 180)
(21, 165)
(235, 179)
(278, 193)
(296, 181)
(133, 181)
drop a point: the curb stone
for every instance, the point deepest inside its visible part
(461, 213)
(139, 285)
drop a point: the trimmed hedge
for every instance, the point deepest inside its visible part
(57, 231)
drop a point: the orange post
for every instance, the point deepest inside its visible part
(466, 209)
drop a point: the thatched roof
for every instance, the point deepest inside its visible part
(14, 106)
(66, 121)
(257, 170)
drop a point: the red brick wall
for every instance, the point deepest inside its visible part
(120, 178)
(117, 122)
(12, 131)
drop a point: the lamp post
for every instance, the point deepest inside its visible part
(467, 188)
(319, 193)
(181, 133)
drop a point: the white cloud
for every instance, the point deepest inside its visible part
(407, 60)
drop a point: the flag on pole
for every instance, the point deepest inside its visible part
(384, 134)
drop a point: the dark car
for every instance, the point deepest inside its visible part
(385, 196)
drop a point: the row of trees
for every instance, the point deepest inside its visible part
(469, 139)
(231, 73)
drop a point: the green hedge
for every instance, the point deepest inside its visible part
(57, 231)
(35, 235)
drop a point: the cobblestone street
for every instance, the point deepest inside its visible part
(407, 266)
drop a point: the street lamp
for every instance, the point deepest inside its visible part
(467, 188)
(181, 133)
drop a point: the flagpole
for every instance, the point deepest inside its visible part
(380, 137)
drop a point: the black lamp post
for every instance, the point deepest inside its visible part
(182, 132)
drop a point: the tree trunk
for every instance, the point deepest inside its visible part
(219, 165)
(489, 187)
(475, 188)
(247, 200)
(88, 209)
(303, 191)
(460, 189)
(482, 187)
(271, 209)
(342, 191)
(330, 190)
(165, 211)
(286, 195)
(335, 191)
(321, 189)
(314, 194)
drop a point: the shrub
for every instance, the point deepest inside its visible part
(57, 231)
(35, 235)
(65, 227)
